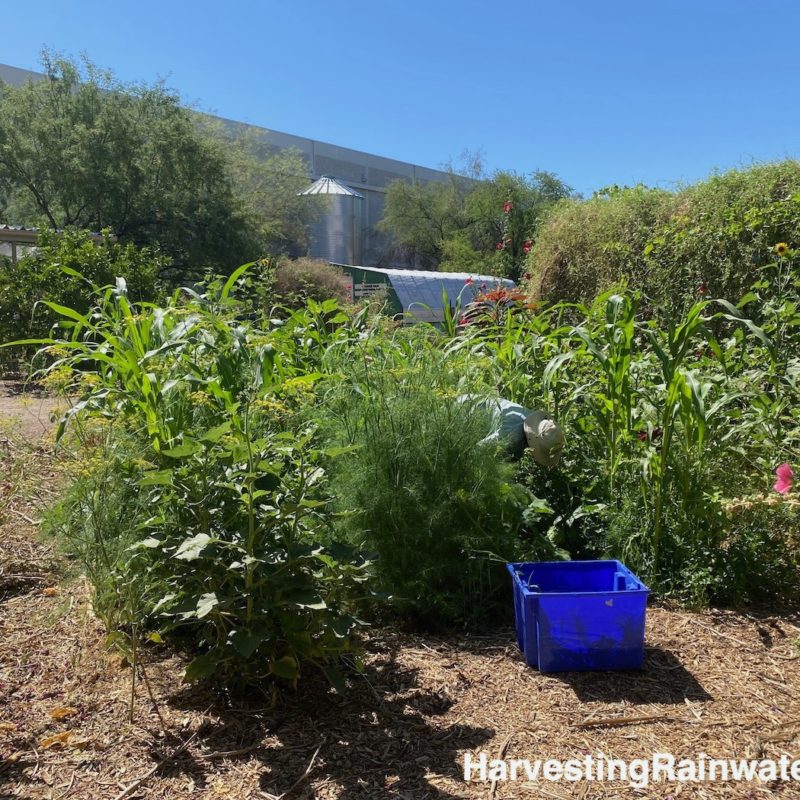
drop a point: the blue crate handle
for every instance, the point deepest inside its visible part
(534, 587)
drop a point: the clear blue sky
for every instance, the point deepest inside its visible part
(599, 92)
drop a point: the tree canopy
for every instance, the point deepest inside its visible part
(81, 149)
(472, 222)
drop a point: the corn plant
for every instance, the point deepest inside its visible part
(223, 546)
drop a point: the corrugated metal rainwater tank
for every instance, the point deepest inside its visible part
(336, 235)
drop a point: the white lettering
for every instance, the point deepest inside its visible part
(498, 770)
(718, 769)
(616, 770)
(686, 771)
(573, 770)
(470, 766)
(553, 770)
(663, 765)
(744, 770)
(768, 771)
(639, 773)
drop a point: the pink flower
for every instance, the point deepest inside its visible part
(526, 247)
(785, 479)
(702, 288)
(507, 207)
(468, 281)
(499, 246)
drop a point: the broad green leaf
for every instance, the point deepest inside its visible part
(246, 641)
(285, 668)
(213, 435)
(149, 543)
(187, 448)
(201, 667)
(192, 547)
(335, 452)
(160, 477)
(206, 604)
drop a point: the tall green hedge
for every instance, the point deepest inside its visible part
(48, 274)
(711, 237)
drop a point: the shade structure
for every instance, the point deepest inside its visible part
(421, 294)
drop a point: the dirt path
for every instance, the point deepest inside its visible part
(24, 413)
(720, 683)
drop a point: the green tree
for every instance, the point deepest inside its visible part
(505, 213)
(472, 222)
(81, 149)
(267, 182)
(423, 217)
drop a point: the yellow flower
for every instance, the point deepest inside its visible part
(200, 399)
(781, 249)
(58, 379)
(269, 405)
(89, 379)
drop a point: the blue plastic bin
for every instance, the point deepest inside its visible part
(579, 615)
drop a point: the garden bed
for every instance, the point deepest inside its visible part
(723, 683)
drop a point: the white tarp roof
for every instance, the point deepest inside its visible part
(417, 287)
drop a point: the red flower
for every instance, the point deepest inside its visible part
(507, 207)
(527, 276)
(643, 436)
(785, 476)
(702, 288)
(526, 247)
(499, 246)
(468, 281)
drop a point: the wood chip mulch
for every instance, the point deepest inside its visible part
(718, 682)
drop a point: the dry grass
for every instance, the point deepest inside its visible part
(718, 682)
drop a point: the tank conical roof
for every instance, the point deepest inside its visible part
(329, 185)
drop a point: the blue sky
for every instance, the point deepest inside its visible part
(598, 92)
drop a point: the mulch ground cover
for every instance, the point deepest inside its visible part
(718, 682)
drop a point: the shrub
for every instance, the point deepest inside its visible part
(440, 510)
(305, 279)
(586, 247)
(61, 270)
(708, 238)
